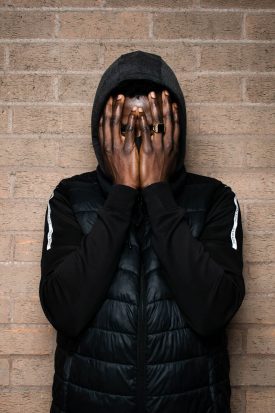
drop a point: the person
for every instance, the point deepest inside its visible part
(141, 264)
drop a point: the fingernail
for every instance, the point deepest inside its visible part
(175, 106)
(119, 97)
(153, 95)
(140, 110)
(166, 92)
(134, 108)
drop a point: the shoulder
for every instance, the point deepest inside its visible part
(62, 188)
(216, 186)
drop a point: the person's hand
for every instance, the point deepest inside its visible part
(157, 155)
(121, 158)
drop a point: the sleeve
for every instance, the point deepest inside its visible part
(77, 269)
(204, 273)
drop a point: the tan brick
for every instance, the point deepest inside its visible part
(17, 401)
(77, 152)
(22, 215)
(215, 152)
(259, 247)
(76, 120)
(255, 57)
(24, 25)
(238, 3)
(249, 185)
(26, 88)
(260, 278)
(181, 57)
(256, 309)
(27, 309)
(261, 340)
(152, 3)
(260, 217)
(252, 370)
(77, 88)
(32, 371)
(260, 26)
(4, 184)
(197, 25)
(29, 3)
(210, 88)
(3, 119)
(260, 152)
(37, 184)
(28, 247)
(237, 119)
(31, 56)
(234, 340)
(37, 119)
(6, 244)
(19, 278)
(104, 24)
(5, 309)
(24, 339)
(28, 152)
(237, 401)
(260, 89)
(2, 56)
(4, 372)
(260, 400)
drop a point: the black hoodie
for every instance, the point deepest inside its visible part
(75, 274)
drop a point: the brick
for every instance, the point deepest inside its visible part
(75, 152)
(259, 247)
(76, 120)
(234, 340)
(205, 88)
(269, 4)
(4, 184)
(16, 88)
(77, 88)
(232, 57)
(4, 372)
(2, 56)
(16, 401)
(6, 244)
(26, 25)
(24, 339)
(260, 152)
(31, 56)
(28, 247)
(27, 119)
(28, 152)
(27, 309)
(260, 26)
(260, 217)
(256, 308)
(18, 278)
(248, 185)
(36, 184)
(52, 3)
(5, 309)
(215, 152)
(238, 120)
(22, 215)
(3, 119)
(260, 89)
(153, 3)
(103, 24)
(260, 400)
(252, 370)
(260, 278)
(32, 371)
(237, 401)
(181, 57)
(261, 340)
(197, 25)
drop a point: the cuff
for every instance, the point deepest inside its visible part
(159, 197)
(121, 197)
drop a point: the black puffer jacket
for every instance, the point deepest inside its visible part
(144, 350)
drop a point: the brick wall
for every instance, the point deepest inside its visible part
(52, 55)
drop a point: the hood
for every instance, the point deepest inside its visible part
(138, 65)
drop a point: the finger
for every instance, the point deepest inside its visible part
(116, 120)
(156, 111)
(145, 131)
(100, 132)
(167, 117)
(108, 144)
(176, 132)
(130, 130)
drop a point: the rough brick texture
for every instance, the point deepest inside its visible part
(52, 55)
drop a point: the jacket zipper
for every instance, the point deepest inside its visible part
(141, 344)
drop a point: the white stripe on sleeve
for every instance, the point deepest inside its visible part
(235, 223)
(50, 232)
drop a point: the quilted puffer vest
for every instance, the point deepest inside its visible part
(138, 354)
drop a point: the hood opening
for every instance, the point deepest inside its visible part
(138, 66)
